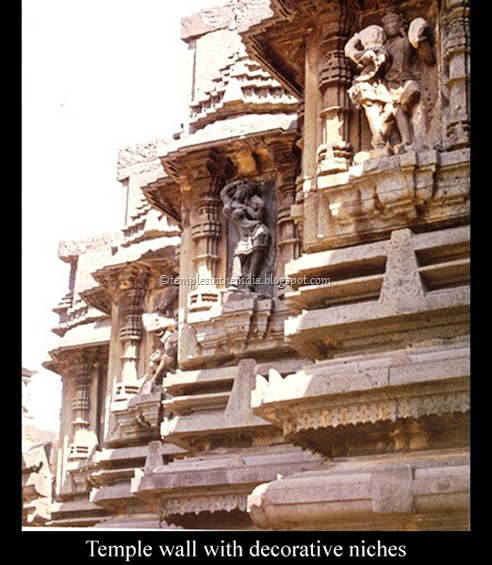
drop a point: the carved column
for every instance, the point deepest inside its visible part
(83, 440)
(286, 164)
(132, 289)
(334, 77)
(205, 233)
(456, 47)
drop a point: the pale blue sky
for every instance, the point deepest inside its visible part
(97, 75)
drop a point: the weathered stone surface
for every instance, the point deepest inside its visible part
(39, 462)
(321, 406)
(138, 159)
(402, 279)
(74, 248)
(207, 21)
(216, 482)
(251, 12)
(37, 484)
(241, 88)
(384, 493)
(211, 418)
(357, 352)
(87, 334)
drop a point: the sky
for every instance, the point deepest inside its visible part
(97, 75)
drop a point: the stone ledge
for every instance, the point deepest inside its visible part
(388, 492)
(391, 287)
(202, 413)
(235, 471)
(109, 495)
(76, 507)
(372, 199)
(226, 131)
(362, 374)
(134, 452)
(361, 405)
(71, 249)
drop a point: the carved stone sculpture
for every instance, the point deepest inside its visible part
(387, 88)
(164, 357)
(244, 206)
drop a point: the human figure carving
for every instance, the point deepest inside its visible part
(387, 87)
(164, 358)
(244, 206)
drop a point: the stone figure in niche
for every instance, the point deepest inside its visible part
(244, 206)
(164, 358)
(387, 86)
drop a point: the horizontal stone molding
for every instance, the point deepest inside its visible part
(353, 391)
(191, 485)
(387, 193)
(214, 403)
(195, 505)
(388, 492)
(392, 287)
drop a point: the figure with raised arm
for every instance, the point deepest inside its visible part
(387, 87)
(244, 206)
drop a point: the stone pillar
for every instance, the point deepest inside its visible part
(334, 78)
(205, 233)
(289, 243)
(288, 238)
(83, 440)
(456, 53)
(132, 289)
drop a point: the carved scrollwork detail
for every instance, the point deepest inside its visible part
(197, 504)
(376, 411)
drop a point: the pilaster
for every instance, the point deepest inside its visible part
(456, 54)
(209, 177)
(132, 289)
(334, 77)
(83, 439)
